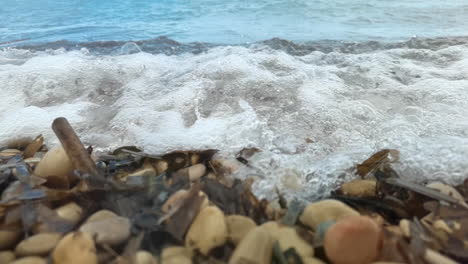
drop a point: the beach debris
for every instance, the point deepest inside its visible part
(66, 204)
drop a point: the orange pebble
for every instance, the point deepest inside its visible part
(353, 240)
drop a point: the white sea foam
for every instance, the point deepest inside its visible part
(348, 105)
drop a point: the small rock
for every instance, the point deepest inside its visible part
(38, 245)
(446, 189)
(176, 255)
(359, 188)
(288, 238)
(75, 248)
(405, 227)
(207, 231)
(325, 210)
(30, 260)
(144, 257)
(100, 215)
(6, 256)
(55, 163)
(9, 153)
(312, 261)
(8, 238)
(70, 211)
(175, 200)
(161, 166)
(111, 231)
(256, 247)
(442, 225)
(238, 226)
(193, 172)
(353, 240)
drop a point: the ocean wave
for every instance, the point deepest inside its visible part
(315, 109)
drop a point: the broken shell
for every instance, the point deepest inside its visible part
(111, 231)
(144, 257)
(442, 225)
(38, 245)
(9, 153)
(359, 188)
(6, 256)
(55, 163)
(75, 248)
(207, 231)
(325, 210)
(238, 226)
(70, 211)
(256, 247)
(446, 189)
(405, 227)
(8, 238)
(288, 238)
(176, 255)
(30, 260)
(353, 240)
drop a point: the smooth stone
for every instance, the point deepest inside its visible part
(238, 227)
(359, 188)
(447, 190)
(353, 240)
(54, 163)
(70, 211)
(9, 153)
(405, 227)
(111, 231)
(288, 238)
(144, 257)
(30, 260)
(75, 248)
(207, 231)
(256, 247)
(7, 256)
(176, 255)
(193, 172)
(38, 245)
(101, 215)
(8, 238)
(325, 210)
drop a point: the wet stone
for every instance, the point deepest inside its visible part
(38, 245)
(111, 231)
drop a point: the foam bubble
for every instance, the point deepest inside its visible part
(314, 116)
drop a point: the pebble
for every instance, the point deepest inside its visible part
(287, 237)
(353, 240)
(176, 255)
(312, 261)
(405, 227)
(38, 245)
(207, 231)
(175, 200)
(6, 256)
(111, 231)
(446, 189)
(193, 172)
(30, 260)
(54, 163)
(144, 257)
(359, 188)
(101, 215)
(75, 248)
(70, 211)
(9, 153)
(256, 247)
(238, 227)
(325, 210)
(8, 238)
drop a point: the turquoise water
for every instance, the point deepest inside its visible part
(230, 22)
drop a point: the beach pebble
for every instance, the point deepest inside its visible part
(111, 231)
(207, 231)
(101, 215)
(325, 210)
(8, 238)
(359, 188)
(353, 240)
(70, 211)
(238, 226)
(30, 260)
(288, 238)
(54, 163)
(75, 248)
(38, 245)
(255, 247)
(9, 153)
(405, 227)
(312, 261)
(446, 189)
(144, 257)
(6, 256)
(176, 255)
(193, 172)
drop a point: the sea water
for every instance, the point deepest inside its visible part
(318, 86)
